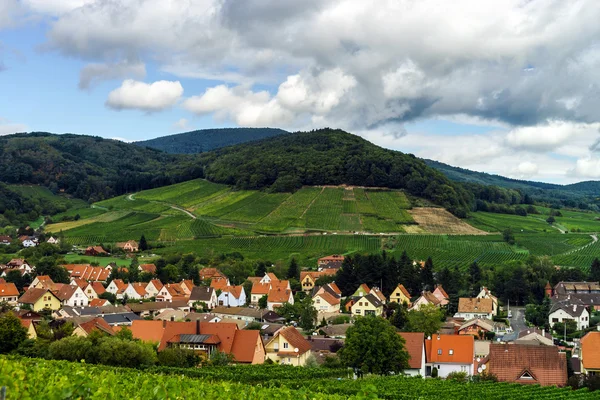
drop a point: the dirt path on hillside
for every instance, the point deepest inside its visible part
(183, 210)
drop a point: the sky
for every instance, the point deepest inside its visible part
(507, 87)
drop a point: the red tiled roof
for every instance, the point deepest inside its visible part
(335, 288)
(334, 257)
(295, 339)
(545, 364)
(210, 273)
(279, 295)
(414, 342)
(87, 272)
(98, 288)
(236, 291)
(99, 303)
(462, 346)
(261, 288)
(99, 324)
(149, 268)
(65, 292)
(32, 295)
(475, 305)
(330, 299)
(8, 289)
(157, 284)
(218, 283)
(403, 290)
(140, 288)
(79, 282)
(244, 345)
(590, 354)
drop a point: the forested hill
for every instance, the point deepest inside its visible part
(330, 157)
(208, 139)
(89, 168)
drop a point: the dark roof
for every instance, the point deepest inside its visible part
(201, 293)
(32, 295)
(156, 305)
(574, 310)
(187, 338)
(325, 344)
(119, 319)
(373, 300)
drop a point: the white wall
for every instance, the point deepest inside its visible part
(444, 369)
(582, 322)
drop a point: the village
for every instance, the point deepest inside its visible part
(261, 325)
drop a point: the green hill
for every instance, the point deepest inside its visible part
(208, 139)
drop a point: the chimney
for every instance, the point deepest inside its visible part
(544, 332)
(574, 307)
(164, 323)
(197, 326)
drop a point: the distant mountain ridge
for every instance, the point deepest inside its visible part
(204, 140)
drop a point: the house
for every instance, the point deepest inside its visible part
(449, 353)
(40, 299)
(367, 305)
(379, 294)
(362, 291)
(153, 287)
(589, 354)
(232, 296)
(152, 308)
(203, 294)
(308, 279)
(20, 264)
(567, 310)
(441, 295)
(279, 294)
(93, 290)
(289, 347)
(425, 299)
(95, 251)
(30, 326)
(42, 282)
(171, 292)
(99, 303)
(246, 314)
(269, 278)
(29, 243)
(71, 295)
(87, 272)
(337, 331)
(187, 285)
(482, 348)
(485, 293)
(400, 295)
(6, 240)
(135, 291)
(586, 293)
(527, 364)
(534, 336)
(334, 261)
(479, 327)
(117, 287)
(203, 337)
(85, 328)
(327, 298)
(321, 346)
(9, 293)
(147, 268)
(219, 283)
(472, 308)
(78, 282)
(207, 274)
(258, 291)
(414, 343)
(129, 246)
(53, 240)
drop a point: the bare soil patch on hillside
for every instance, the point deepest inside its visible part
(440, 221)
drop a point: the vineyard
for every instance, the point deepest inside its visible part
(40, 379)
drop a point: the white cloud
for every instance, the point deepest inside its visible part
(143, 96)
(526, 170)
(95, 73)
(586, 168)
(550, 135)
(55, 7)
(120, 139)
(182, 125)
(7, 127)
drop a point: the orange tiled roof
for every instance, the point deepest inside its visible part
(8, 289)
(335, 288)
(157, 284)
(545, 364)
(98, 287)
(462, 346)
(79, 282)
(33, 295)
(295, 339)
(149, 268)
(590, 354)
(99, 324)
(65, 292)
(244, 345)
(211, 273)
(218, 283)
(403, 290)
(140, 288)
(260, 288)
(236, 291)
(329, 298)
(99, 303)
(414, 342)
(475, 305)
(279, 295)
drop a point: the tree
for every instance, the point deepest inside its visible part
(293, 270)
(427, 319)
(373, 346)
(220, 358)
(262, 302)
(595, 270)
(178, 357)
(400, 316)
(475, 276)
(427, 275)
(308, 314)
(508, 236)
(550, 220)
(143, 245)
(12, 333)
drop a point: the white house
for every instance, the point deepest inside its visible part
(414, 343)
(53, 240)
(117, 287)
(203, 294)
(485, 293)
(449, 353)
(29, 243)
(135, 291)
(72, 295)
(232, 296)
(153, 287)
(269, 277)
(563, 311)
(471, 308)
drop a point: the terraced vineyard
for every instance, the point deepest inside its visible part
(63, 379)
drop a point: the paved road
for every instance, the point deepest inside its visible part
(517, 322)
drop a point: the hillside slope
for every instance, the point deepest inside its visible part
(208, 139)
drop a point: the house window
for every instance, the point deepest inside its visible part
(286, 345)
(463, 368)
(451, 352)
(439, 352)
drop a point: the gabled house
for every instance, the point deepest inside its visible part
(308, 279)
(9, 293)
(334, 261)
(219, 283)
(589, 354)
(207, 274)
(289, 347)
(362, 291)
(93, 290)
(449, 353)
(71, 295)
(400, 295)
(147, 268)
(527, 364)
(269, 278)
(29, 243)
(53, 240)
(414, 343)
(279, 294)
(534, 336)
(171, 292)
(85, 328)
(99, 303)
(258, 291)
(586, 293)
(40, 299)
(232, 296)
(327, 298)
(95, 251)
(20, 264)
(187, 285)
(87, 272)
(42, 282)
(6, 240)
(471, 308)
(367, 305)
(480, 327)
(203, 294)
(425, 299)
(117, 287)
(485, 293)
(441, 295)
(562, 311)
(135, 291)
(153, 287)
(129, 246)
